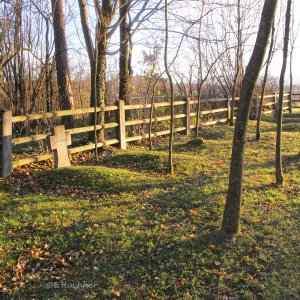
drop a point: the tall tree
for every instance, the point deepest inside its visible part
(105, 13)
(171, 90)
(61, 59)
(261, 102)
(231, 218)
(294, 35)
(278, 164)
(90, 50)
(238, 61)
(124, 50)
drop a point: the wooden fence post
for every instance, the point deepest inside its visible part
(122, 126)
(188, 116)
(290, 103)
(6, 143)
(228, 109)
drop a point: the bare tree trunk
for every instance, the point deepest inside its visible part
(48, 71)
(261, 103)
(151, 117)
(124, 52)
(152, 110)
(61, 58)
(294, 34)
(237, 62)
(171, 90)
(198, 107)
(93, 94)
(278, 164)
(92, 57)
(200, 84)
(291, 83)
(102, 45)
(231, 218)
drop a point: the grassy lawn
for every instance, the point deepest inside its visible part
(123, 229)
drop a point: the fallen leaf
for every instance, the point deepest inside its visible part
(193, 212)
(116, 293)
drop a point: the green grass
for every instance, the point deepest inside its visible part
(125, 229)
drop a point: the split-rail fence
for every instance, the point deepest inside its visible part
(9, 140)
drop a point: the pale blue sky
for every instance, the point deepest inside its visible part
(274, 68)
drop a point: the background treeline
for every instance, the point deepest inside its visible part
(115, 50)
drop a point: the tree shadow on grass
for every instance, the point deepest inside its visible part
(101, 179)
(292, 116)
(194, 145)
(222, 133)
(139, 161)
(164, 243)
(290, 127)
(86, 181)
(291, 160)
(287, 118)
(163, 238)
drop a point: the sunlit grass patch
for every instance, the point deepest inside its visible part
(128, 230)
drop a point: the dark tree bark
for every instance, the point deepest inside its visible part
(291, 82)
(231, 218)
(238, 62)
(48, 67)
(261, 103)
(278, 164)
(105, 12)
(171, 90)
(86, 31)
(102, 44)
(92, 57)
(61, 58)
(124, 51)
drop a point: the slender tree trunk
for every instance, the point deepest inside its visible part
(93, 94)
(171, 90)
(124, 52)
(61, 58)
(198, 108)
(152, 110)
(130, 69)
(237, 62)
(48, 68)
(151, 117)
(261, 103)
(101, 71)
(92, 57)
(291, 82)
(231, 218)
(278, 164)
(200, 83)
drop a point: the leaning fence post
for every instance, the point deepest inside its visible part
(228, 108)
(122, 126)
(188, 116)
(6, 143)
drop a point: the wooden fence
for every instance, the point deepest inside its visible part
(188, 106)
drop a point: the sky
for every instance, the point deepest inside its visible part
(275, 67)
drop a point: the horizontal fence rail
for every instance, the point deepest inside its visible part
(121, 111)
(62, 113)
